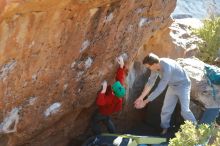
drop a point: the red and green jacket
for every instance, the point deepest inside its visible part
(107, 102)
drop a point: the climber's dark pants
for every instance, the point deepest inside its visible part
(97, 118)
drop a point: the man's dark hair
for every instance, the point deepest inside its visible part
(151, 59)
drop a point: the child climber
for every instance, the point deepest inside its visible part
(109, 100)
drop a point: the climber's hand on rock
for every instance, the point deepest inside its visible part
(120, 61)
(104, 86)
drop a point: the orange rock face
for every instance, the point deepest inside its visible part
(54, 55)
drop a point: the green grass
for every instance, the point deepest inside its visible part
(210, 34)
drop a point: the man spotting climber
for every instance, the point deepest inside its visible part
(179, 85)
(110, 100)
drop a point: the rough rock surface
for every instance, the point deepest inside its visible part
(54, 54)
(185, 43)
(201, 89)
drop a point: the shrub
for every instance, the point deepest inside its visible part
(210, 33)
(190, 135)
(217, 139)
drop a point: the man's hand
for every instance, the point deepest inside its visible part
(104, 86)
(140, 103)
(120, 61)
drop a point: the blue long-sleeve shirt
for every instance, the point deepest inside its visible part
(171, 73)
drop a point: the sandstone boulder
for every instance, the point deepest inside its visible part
(201, 89)
(54, 55)
(185, 43)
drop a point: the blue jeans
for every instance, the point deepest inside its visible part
(97, 118)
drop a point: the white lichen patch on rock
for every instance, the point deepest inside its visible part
(108, 18)
(54, 108)
(6, 69)
(143, 21)
(9, 124)
(32, 100)
(88, 62)
(85, 45)
(72, 64)
(79, 75)
(34, 77)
